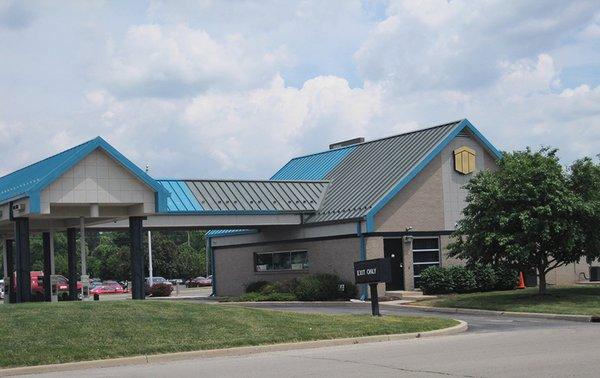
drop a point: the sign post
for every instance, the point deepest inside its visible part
(373, 272)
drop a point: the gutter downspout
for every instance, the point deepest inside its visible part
(363, 256)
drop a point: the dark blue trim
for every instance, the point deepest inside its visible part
(236, 212)
(35, 204)
(464, 124)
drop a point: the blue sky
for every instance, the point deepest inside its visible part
(234, 89)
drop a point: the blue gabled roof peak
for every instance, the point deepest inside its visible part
(32, 179)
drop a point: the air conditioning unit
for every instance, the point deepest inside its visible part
(594, 273)
(19, 207)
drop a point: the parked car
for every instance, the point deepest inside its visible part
(176, 281)
(95, 282)
(157, 280)
(37, 284)
(108, 288)
(199, 281)
(1, 289)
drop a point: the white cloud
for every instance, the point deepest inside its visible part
(204, 89)
(267, 126)
(153, 60)
(458, 45)
(247, 133)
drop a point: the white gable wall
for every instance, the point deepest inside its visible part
(98, 179)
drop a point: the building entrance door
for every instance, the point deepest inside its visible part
(392, 249)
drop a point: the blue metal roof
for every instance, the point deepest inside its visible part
(363, 177)
(312, 167)
(244, 196)
(181, 198)
(31, 180)
(229, 232)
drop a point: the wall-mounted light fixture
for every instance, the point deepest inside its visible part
(408, 238)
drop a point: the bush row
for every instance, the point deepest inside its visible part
(460, 279)
(314, 287)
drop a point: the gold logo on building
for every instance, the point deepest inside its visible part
(464, 160)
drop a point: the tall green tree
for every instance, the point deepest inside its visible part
(584, 180)
(521, 214)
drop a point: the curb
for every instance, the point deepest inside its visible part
(286, 304)
(536, 315)
(228, 352)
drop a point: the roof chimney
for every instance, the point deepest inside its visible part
(346, 143)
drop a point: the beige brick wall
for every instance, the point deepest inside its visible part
(420, 204)
(235, 265)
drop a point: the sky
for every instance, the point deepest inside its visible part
(234, 89)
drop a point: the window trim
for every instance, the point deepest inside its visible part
(255, 255)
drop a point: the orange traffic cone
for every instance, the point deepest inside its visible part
(521, 281)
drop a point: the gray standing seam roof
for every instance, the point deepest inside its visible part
(372, 169)
(258, 195)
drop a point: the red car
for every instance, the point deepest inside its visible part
(108, 288)
(37, 284)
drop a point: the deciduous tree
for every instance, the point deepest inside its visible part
(521, 214)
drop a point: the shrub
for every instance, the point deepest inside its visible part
(349, 291)
(506, 277)
(318, 287)
(286, 286)
(268, 288)
(463, 280)
(485, 277)
(259, 297)
(436, 280)
(160, 290)
(256, 286)
(307, 289)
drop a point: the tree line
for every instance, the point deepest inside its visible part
(175, 254)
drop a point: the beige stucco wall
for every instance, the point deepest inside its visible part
(564, 275)
(98, 179)
(235, 265)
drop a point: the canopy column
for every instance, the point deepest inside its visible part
(72, 262)
(48, 252)
(9, 271)
(137, 257)
(22, 260)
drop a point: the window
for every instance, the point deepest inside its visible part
(426, 253)
(280, 261)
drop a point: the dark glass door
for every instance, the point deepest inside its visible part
(392, 249)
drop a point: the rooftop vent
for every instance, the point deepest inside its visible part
(345, 143)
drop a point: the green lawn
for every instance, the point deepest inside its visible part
(578, 300)
(47, 333)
